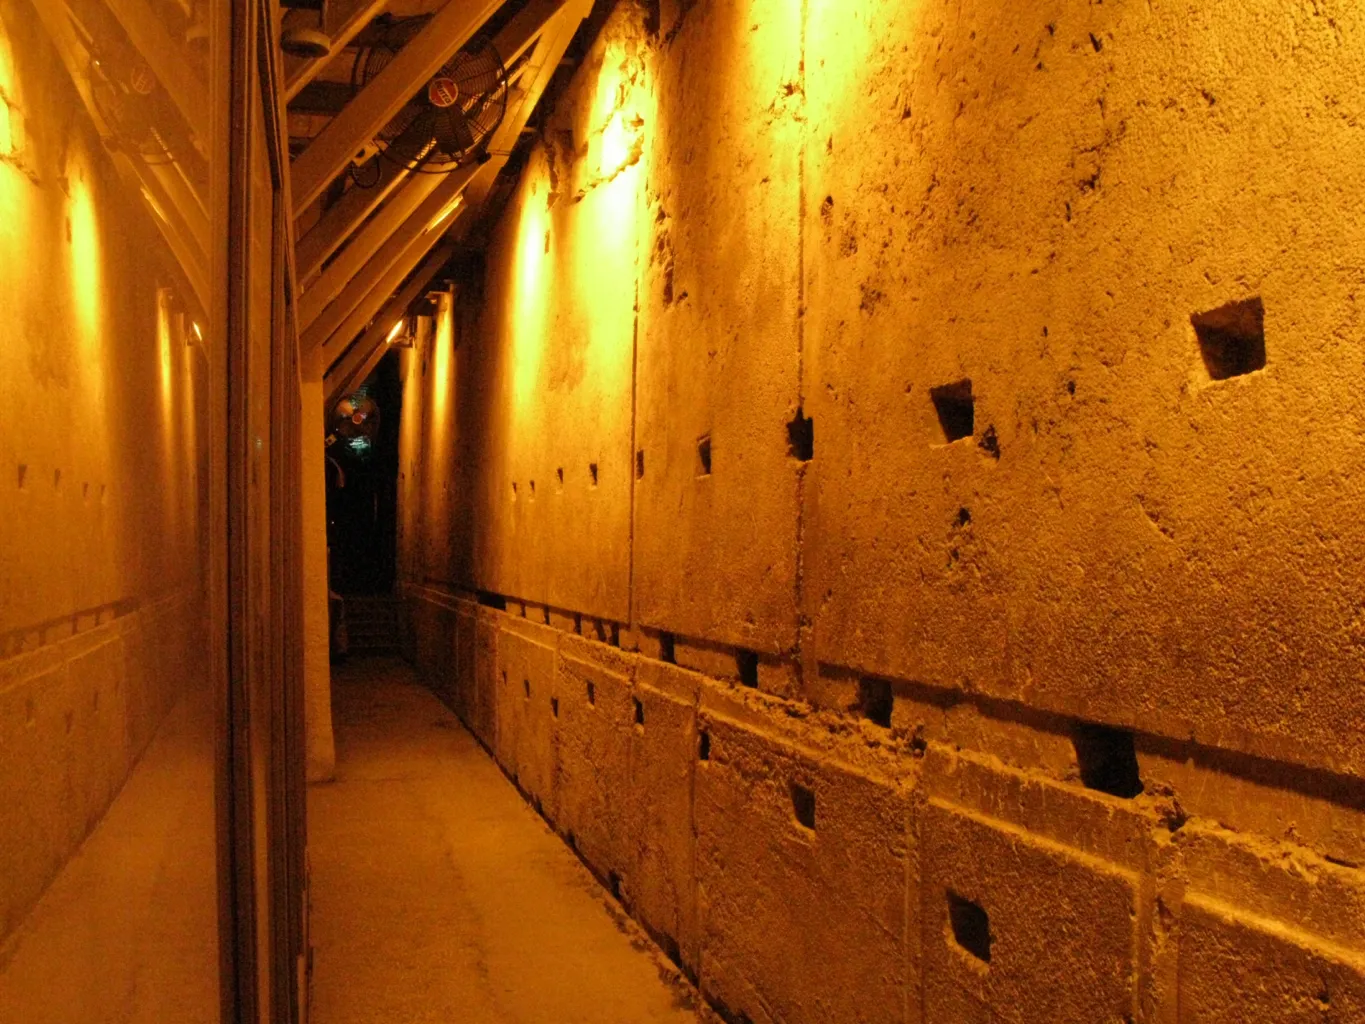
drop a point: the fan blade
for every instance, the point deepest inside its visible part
(479, 72)
(484, 112)
(410, 147)
(453, 132)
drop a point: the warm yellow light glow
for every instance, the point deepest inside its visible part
(442, 361)
(199, 335)
(163, 347)
(16, 188)
(11, 119)
(393, 334)
(444, 215)
(87, 278)
(610, 94)
(533, 277)
(613, 138)
(607, 224)
(616, 145)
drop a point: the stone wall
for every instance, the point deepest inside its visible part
(936, 423)
(102, 398)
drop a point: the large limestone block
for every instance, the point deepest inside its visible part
(489, 677)
(470, 693)
(552, 403)
(1125, 533)
(664, 751)
(799, 924)
(595, 719)
(1237, 967)
(1259, 930)
(716, 503)
(526, 728)
(1019, 928)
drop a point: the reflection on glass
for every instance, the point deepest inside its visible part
(108, 136)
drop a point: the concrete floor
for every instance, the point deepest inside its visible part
(439, 895)
(127, 933)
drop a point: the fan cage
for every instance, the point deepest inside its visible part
(428, 137)
(123, 112)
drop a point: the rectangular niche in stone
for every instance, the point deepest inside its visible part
(1232, 338)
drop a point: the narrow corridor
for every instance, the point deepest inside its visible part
(439, 895)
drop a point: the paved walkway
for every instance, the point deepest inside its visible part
(440, 896)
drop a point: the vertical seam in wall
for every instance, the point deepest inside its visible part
(692, 804)
(801, 355)
(642, 217)
(634, 440)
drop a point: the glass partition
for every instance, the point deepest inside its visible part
(113, 142)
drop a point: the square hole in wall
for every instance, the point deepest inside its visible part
(1107, 760)
(704, 456)
(803, 805)
(1232, 338)
(747, 664)
(639, 711)
(667, 650)
(956, 409)
(640, 464)
(704, 747)
(801, 437)
(592, 473)
(970, 925)
(876, 701)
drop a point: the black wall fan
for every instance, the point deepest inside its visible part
(448, 124)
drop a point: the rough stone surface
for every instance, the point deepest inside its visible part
(596, 715)
(777, 898)
(1235, 967)
(986, 382)
(527, 739)
(715, 545)
(663, 763)
(1053, 196)
(1062, 927)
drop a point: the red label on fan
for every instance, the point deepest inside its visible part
(141, 80)
(443, 92)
